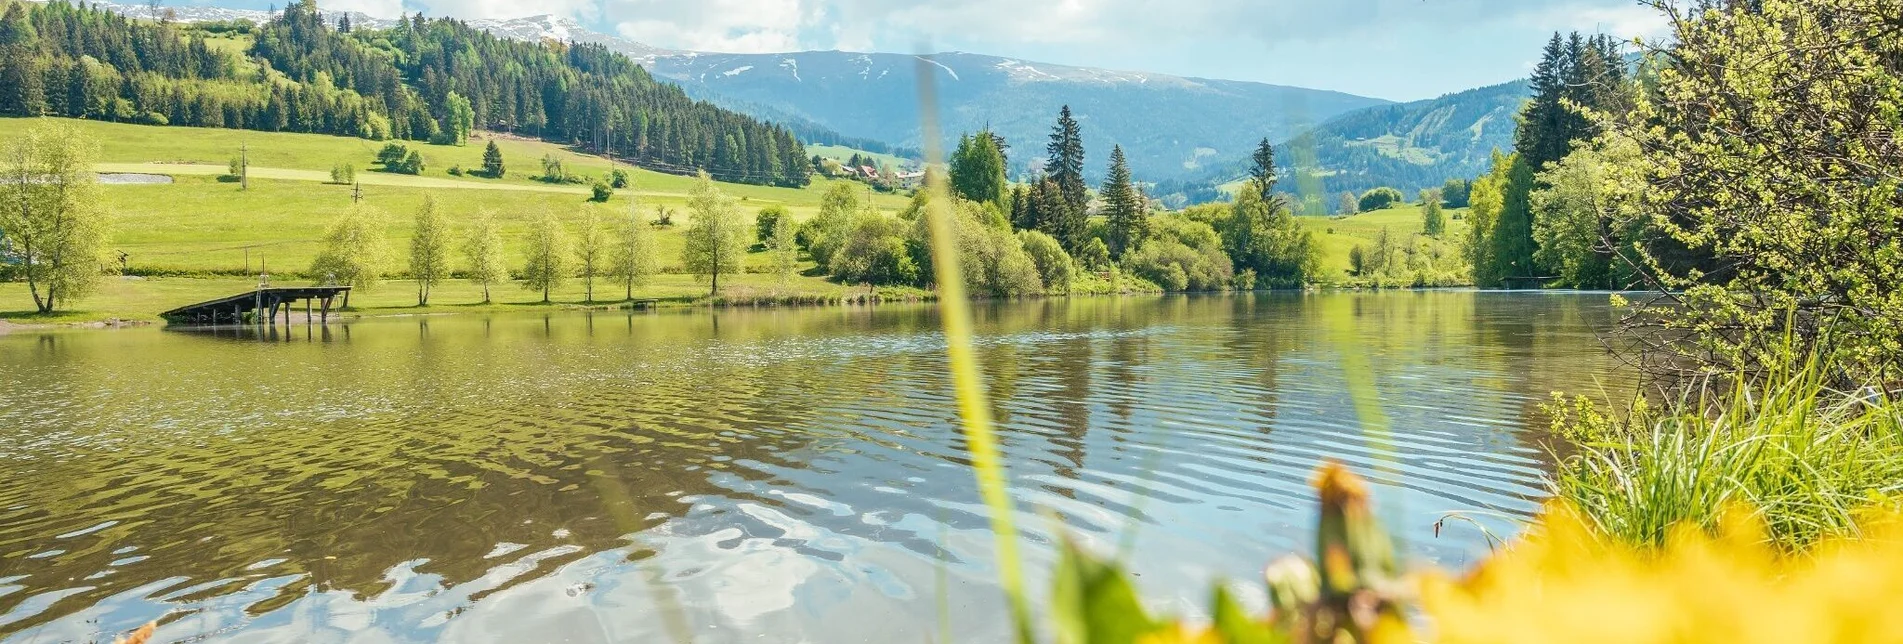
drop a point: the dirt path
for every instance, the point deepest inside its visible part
(366, 178)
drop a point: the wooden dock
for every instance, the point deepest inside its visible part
(261, 306)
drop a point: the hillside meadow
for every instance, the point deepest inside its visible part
(202, 236)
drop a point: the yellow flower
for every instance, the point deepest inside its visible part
(1564, 584)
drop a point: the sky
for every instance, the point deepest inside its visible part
(1392, 49)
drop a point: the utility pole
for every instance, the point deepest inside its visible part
(244, 166)
(356, 192)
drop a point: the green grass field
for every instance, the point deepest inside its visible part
(841, 154)
(203, 227)
(1340, 235)
(268, 152)
(207, 232)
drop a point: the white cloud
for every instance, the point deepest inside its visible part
(1380, 47)
(378, 8)
(738, 26)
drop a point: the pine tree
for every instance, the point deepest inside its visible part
(1124, 206)
(1021, 216)
(1065, 164)
(22, 89)
(491, 161)
(1512, 236)
(1054, 216)
(1262, 171)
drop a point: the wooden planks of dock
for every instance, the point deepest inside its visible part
(260, 306)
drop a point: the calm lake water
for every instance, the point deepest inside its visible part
(760, 476)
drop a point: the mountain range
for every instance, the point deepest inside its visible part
(1186, 133)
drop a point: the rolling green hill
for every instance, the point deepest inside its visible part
(194, 238)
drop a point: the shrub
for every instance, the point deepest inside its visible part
(874, 252)
(1054, 266)
(767, 220)
(601, 192)
(552, 170)
(1182, 255)
(413, 164)
(153, 118)
(343, 174)
(618, 179)
(1095, 256)
(455, 171)
(1380, 198)
(992, 259)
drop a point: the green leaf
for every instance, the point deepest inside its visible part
(1093, 602)
(1235, 625)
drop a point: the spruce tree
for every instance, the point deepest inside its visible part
(22, 89)
(1054, 215)
(1262, 171)
(1022, 218)
(1066, 163)
(1129, 222)
(492, 161)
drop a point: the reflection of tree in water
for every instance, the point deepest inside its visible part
(456, 446)
(440, 470)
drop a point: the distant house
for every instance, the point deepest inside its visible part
(869, 172)
(910, 179)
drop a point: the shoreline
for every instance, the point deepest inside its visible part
(739, 301)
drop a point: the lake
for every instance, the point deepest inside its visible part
(772, 475)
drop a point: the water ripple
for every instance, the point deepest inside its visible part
(786, 475)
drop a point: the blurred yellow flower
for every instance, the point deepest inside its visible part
(1562, 583)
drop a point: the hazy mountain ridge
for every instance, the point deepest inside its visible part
(1183, 130)
(1168, 125)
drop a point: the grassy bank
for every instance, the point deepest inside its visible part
(1808, 460)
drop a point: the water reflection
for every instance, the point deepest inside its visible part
(776, 475)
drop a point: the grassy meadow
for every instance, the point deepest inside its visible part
(202, 237)
(1339, 235)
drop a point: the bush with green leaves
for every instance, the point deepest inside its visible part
(874, 252)
(1054, 266)
(993, 260)
(824, 233)
(600, 192)
(1380, 198)
(769, 220)
(1182, 255)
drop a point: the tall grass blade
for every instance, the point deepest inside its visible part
(973, 408)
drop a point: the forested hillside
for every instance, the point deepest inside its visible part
(421, 80)
(1408, 146)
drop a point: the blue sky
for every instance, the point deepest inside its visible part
(1394, 49)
